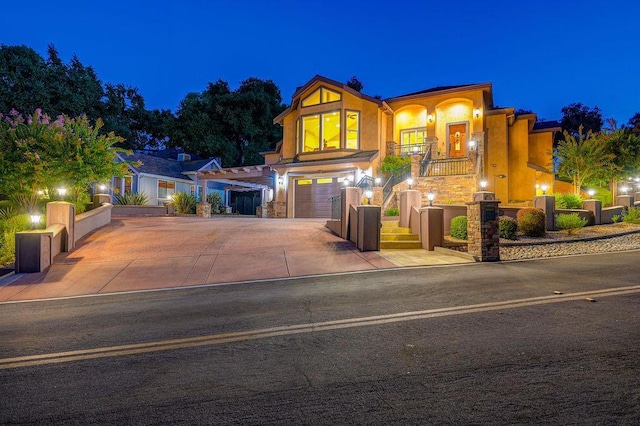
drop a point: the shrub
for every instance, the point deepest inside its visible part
(508, 227)
(531, 222)
(184, 203)
(570, 222)
(631, 216)
(8, 212)
(392, 163)
(393, 211)
(568, 201)
(7, 247)
(616, 218)
(17, 223)
(215, 199)
(459, 227)
(129, 199)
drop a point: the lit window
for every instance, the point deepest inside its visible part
(304, 181)
(321, 96)
(353, 130)
(311, 133)
(321, 181)
(331, 130)
(328, 132)
(410, 139)
(166, 188)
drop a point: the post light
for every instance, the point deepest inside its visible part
(544, 188)
(476, 112)
(483, 184)
(62, 192)
(637, 179)
(624, 189)
(472, 144)
(368, 194)
(430, 118)
(102, 187)
(415, 149)
(40, 192)
(591, 193)
(377, 181)
(35, 220)
(280, 180)
(410, 182)
(430, 197)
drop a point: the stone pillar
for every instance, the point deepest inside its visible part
(408, 199)
(636, 197)
(595, 207)
(203, 210)
(350, 196)
(625, 200)
(63, 213)
(483, 231)
(431, 227)
(378, 196)
(33, 251)
(548, 205)
(100, 199)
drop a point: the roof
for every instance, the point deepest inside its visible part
(438, 89)
(547, 125)
(154, 165)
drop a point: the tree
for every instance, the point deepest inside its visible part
(123, 112)
(577, 115)
(634, 124)
(38, 153)
(355, 84)
(22, 79)
(233, 125)
(583, 159)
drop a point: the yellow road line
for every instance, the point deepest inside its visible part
(216, 339)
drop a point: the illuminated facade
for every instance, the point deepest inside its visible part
(455, 136)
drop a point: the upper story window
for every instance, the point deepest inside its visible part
(321, 96)
(320, 132)
(353, 130)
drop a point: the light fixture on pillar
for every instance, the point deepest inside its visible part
(368, 194)
(430, 197)
(410, 182)
(591, 193)
(35, 220)
(430, 118)
(544, 188)
(624, 189)
(102, 187)
(280, 180)
(377, 181)
(472, 144)
(62, 192)
(476, 113)
(415, 149)
(483, 184)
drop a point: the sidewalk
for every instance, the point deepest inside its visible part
(161, 252)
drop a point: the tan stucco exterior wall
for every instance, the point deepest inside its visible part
(496, 154)
(521, 178)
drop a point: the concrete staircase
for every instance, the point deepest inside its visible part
(392, 236)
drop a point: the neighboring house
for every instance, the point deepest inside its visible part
(455, 135)
(159, 178)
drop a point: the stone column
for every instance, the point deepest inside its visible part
(408, 199)
(378, 196)
(203, 210)
(63, 213)
(431, 227)
(548, 205)
(595, 207)
(636, 197)
(482, 229)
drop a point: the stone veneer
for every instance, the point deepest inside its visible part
(483, 235)
(447, 189)
(277, 209)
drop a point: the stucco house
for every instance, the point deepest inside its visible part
(159, 177)
(456, 136)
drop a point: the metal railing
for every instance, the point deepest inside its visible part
(412, 149)
(424, 164)
(396, 177)
(336, 206)
(445, 167)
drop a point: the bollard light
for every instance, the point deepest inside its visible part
(483, 184)
(410, 182)
(368, 194)
(591, 193)
(624, 189)
(544, 188)
(377, 181)
(35, 220)
(430, 197)
(102, 187)
(62, 191)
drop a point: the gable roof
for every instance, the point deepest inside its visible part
(158, 166)
(442, 89)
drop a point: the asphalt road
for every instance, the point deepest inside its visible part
(552, 341)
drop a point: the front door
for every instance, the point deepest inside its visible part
(458, 140)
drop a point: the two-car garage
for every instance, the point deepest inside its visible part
(312, 196)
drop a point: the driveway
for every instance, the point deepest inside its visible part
(141, 253)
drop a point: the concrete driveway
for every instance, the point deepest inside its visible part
(141, 253)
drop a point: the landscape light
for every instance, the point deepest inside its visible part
(102, 187)
(35, 220)
(483, 184)
(430, 197)
(624, 189)
(544, 188)
(591, 193)
(368, 194)
(410, 182)
(62, 192)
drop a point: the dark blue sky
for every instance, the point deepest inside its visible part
(538, 55)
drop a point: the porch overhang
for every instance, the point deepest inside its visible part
(245, 176)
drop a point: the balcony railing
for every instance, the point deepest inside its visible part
(445, 167)
(412, 149)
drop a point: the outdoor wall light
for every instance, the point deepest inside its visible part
(410, 182)
(476, 112)
(483, 184)
(35, 220)
(280, 180)
(544, 188)
(377, 181)
(430, 118)
(624, 190)
(430, 197)
(591, 193)
(368, 194)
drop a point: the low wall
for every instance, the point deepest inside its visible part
(451, 211)
(93, 219)
(119, 210)
(584, 214)
(606, 216)
(414, 221)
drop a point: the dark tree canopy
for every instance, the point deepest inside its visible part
(577, 114)
(634, 124)
(355, 84)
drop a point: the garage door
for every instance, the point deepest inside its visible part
(312, 197)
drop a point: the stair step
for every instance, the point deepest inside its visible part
(390, 223)
(399, 237)
(396, 230)
(400, 245)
